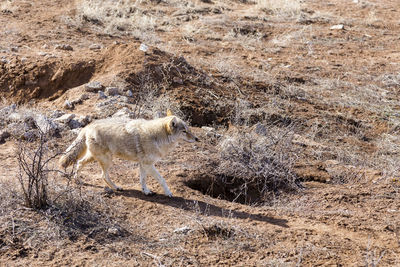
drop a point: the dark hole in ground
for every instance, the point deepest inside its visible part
(226, 187)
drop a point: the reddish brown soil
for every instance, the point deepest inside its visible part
(337, 89)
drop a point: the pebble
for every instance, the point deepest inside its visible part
(113, 230)
(208, 129)
(182, 230)
(68, 104)
(111, 91)
(143, 47)
(66, 47)
(84, 120)
(337, 27)
(95, 47)
(129, 93)
(74, 124)
(93, 86)
(102, 95)
(66, 118)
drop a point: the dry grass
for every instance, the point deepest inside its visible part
(283, 7)
(7, 6)
(70, 214)
(115, 17)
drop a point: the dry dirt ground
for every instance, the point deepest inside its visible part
(224, 64)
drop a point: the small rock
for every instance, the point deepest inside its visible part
(3, 136)
(143, 47)
(84, 120)
(45, 46)
(113, 230)
(95, 47)
(208, 129)
(14, 48)
(84, 97)
(80, 99)
(8, 110)
(111, 91)
(24, 59)
(43, 54)
(28, 82)
(66, 47)
(123, 99)
(102, 95)
(337, 27)
(45, 124)
(177, 80)
(129, 93)
(4, 60)
(66, 118)
(93, 86)
(183, 230)
(68, 104)
(56, 114)
(15, 117)
(74, 124)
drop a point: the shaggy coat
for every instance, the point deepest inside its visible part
(143, 141)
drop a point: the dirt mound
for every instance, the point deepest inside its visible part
(22, 82)
(160, 73)
(153, 72)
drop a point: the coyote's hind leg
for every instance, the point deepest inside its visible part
(105, 162)
(143, 177)
(82, 162)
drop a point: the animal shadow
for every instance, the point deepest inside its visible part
(201, 207)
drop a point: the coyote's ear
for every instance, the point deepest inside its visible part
(173, 123)
(169, 113)
(170, 127)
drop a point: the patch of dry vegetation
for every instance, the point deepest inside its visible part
(282, 7)
(258, 165)
(70, 214)
(116, 17)
(7, 6)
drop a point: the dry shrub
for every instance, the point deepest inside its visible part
(34, 171)
(289, 7)
(257, 165)
(217, 230)
(115, 16)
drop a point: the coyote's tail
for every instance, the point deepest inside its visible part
(74, 151)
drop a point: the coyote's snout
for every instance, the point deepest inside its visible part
(143, 141)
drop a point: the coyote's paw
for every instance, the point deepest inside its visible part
(168, 194)
(147, 192)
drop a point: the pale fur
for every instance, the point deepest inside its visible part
(143, 141)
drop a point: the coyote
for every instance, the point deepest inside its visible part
(142, 141)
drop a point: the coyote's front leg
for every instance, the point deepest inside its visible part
(150, 169)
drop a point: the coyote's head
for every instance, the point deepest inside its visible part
(178, 127)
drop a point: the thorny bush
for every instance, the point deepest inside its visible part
(257, 164)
